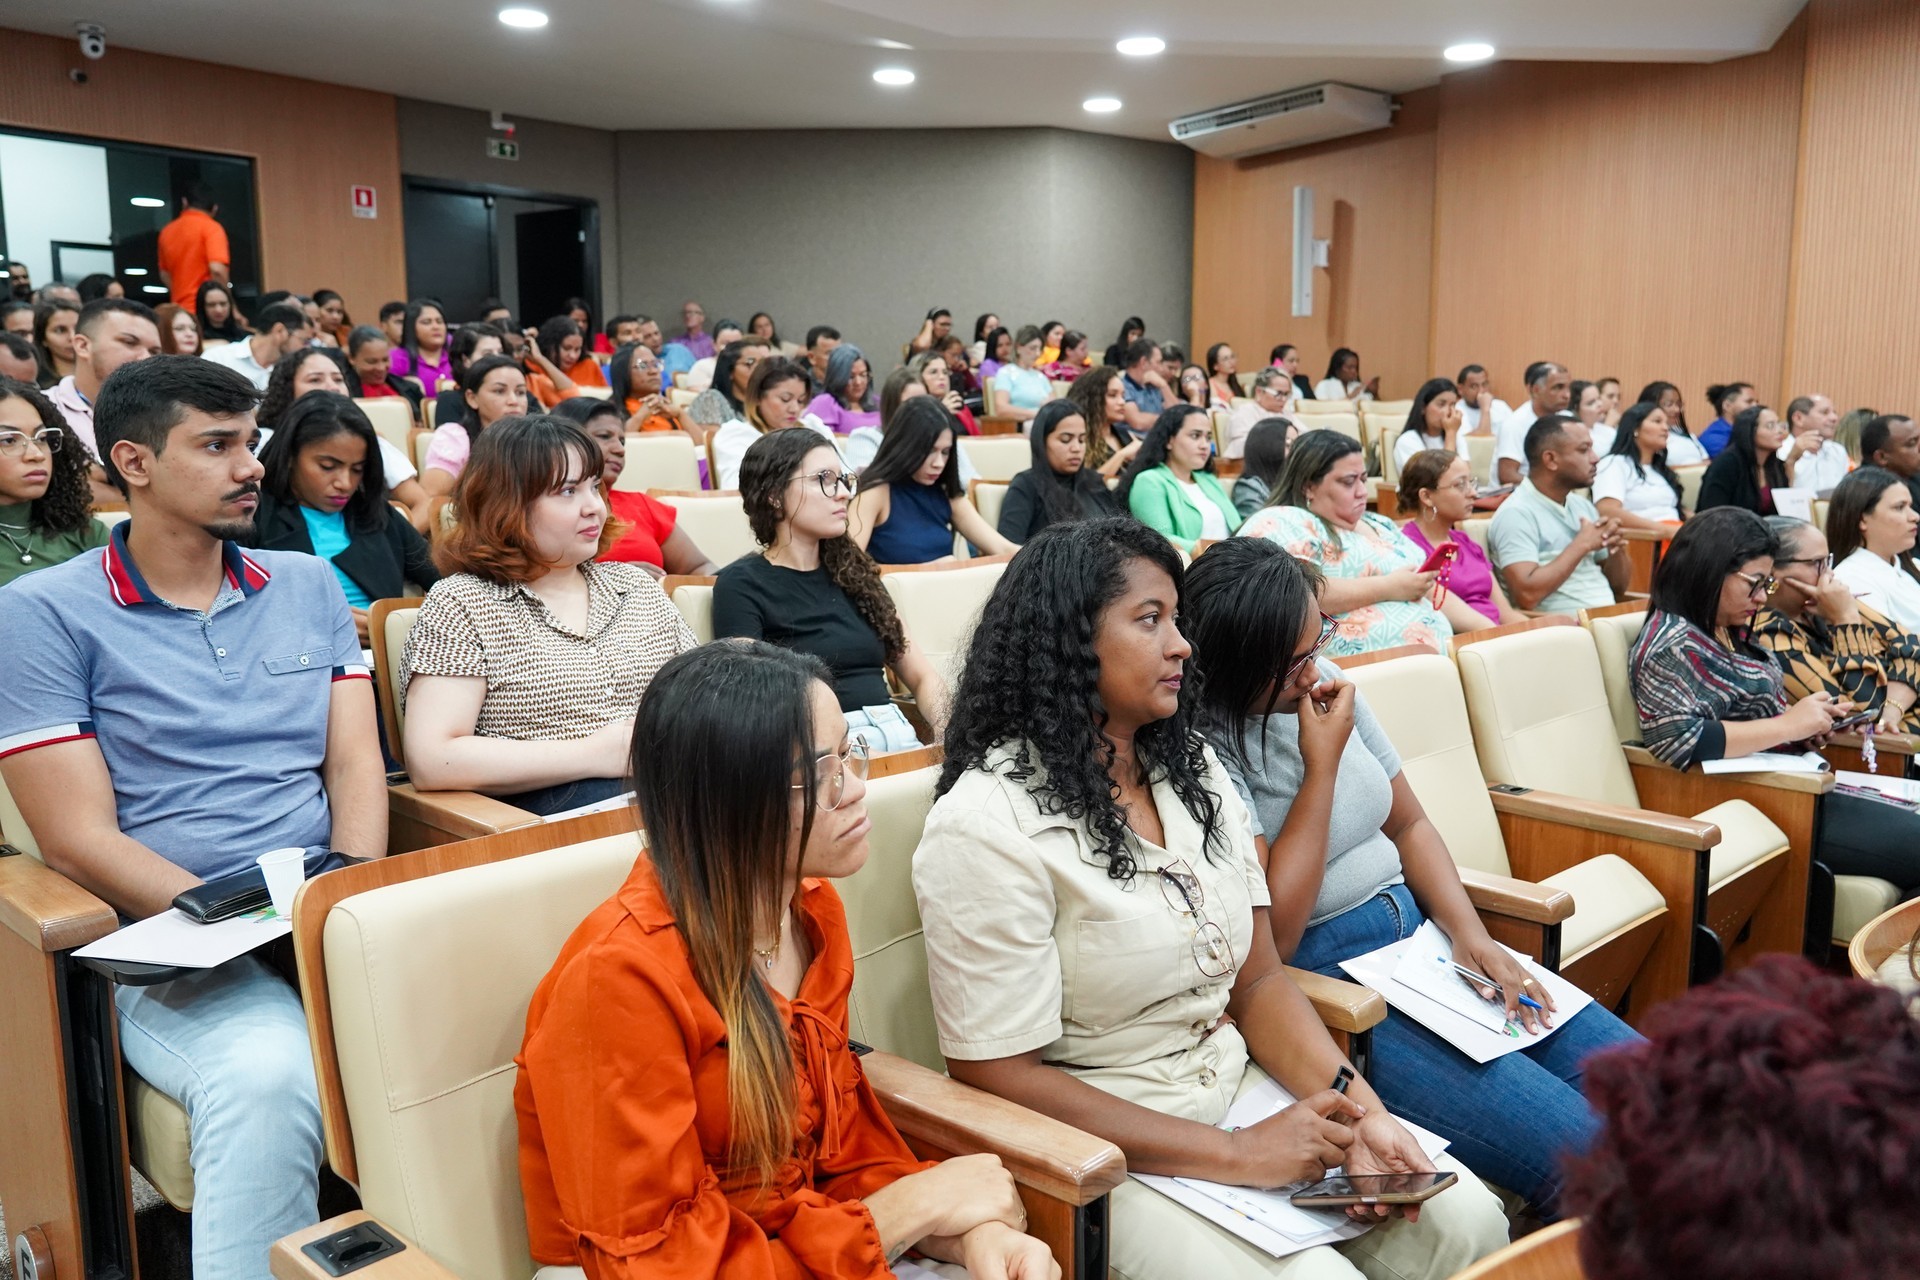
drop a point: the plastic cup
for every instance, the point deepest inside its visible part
(284, 869)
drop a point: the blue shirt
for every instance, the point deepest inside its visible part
(674, 358)
(1717, 436)
(919, 525)
(328, 533)
(1146, 399)
(213, 725)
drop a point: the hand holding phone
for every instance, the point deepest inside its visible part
(1441, 557)
(1345, 1189)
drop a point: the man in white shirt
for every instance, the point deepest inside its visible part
(1480, 412)
(1818, 462)
(1549, 388)
(278, 329)
(1272, 397)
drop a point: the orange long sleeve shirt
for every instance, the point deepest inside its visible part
(623, 1108)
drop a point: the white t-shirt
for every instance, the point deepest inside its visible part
(700, 377)
(1510, 440)
(1408, 443)
(238, 356)
(1213, 521)
(1642, 493)
(1470, 416)
(1602, 439)
(1334, 389)
(1684, 451)
(1820, 471)
(734, 438)
(1882, 587)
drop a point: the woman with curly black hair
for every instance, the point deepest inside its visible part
(1097, 935)
(813, 589)
(46, 500)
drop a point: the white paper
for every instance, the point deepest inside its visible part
(598, 806)
(1795, 504)
(173, 937)
(1427, 967)
(1906, 790)
(1768, 762)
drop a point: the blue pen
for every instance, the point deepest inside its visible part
(1485, 981)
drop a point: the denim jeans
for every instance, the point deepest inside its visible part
(1510, 1120)
(230, 1045)
(562, 796)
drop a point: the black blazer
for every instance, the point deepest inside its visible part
(1024, 513)
(382, 564)
(1729, 482)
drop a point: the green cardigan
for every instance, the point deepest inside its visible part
(1158, 501)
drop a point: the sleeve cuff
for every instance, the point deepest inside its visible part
(1710, 745)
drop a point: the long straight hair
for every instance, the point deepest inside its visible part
(315, 417)
(1059, 493)
(1308, 462)
(1627, 445)
(719, 735)
(911, 434)
(1153, 449)
(1243, 612)
(1857, 494)
(1741, 442)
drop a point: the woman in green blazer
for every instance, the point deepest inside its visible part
(1170, 485)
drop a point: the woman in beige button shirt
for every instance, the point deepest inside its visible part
(1096, 927)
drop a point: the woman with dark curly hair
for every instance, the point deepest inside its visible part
(46, 500)
(1097, 934)
(327, 369)
(1100, 396)
(1768, 1129)
(813, 589)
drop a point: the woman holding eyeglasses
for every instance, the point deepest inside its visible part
(718, 977)
(813, 589)
(1097, 934)
(1353, 864)
(46, 501)
(1437, 485)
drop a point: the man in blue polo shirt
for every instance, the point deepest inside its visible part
(1144, 385)
(175, 708)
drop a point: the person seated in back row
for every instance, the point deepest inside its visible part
(910, 503)
(1556, 553)
(46, 494)
(1058, 486)
(177, 707)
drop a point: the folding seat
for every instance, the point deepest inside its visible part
(715, 520)
(988, 497)
(997, 457)
(660, 460)
(939, 604)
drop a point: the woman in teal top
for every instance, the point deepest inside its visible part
(1170, 485)
(46, 502)
(1019, 389)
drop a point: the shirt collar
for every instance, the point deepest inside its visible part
(126, 586)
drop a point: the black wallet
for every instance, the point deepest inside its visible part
(244, 891)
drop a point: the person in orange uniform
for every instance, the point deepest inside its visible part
(687, 1098)
(564, 349)
(193, 247)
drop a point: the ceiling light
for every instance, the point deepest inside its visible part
(893, 76)
(148, 202)
(528, 19)
(1472, 51)
(153, 288)
(133, 271)
(1141, 46)
(884, 43)
(1102, 105)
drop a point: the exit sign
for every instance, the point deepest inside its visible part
(502, 149)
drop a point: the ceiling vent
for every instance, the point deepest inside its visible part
(1290, 119)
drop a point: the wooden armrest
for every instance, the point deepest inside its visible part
(48, 910)
(1518, 899)
(1342, 1006)
(462, 814)
(1895, 744)
(286, 1262)
(1054, 1159)
(1613, 819)
(1811, 783)
(1649, 535)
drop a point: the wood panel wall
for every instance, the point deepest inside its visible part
(310, 143)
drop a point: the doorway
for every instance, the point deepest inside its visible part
(532, 250)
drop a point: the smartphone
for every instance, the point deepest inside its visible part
(1443, 555)
(1856, 720)
(1343, 1189)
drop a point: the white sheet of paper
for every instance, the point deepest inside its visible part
(598, 806)
(1768, 762)
(1903, 789)
(173, 937)
(1795, 504)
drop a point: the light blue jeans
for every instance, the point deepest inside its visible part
(230, 1045)
(1511, 1120)
(884, 728)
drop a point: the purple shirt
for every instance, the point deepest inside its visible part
(431, 375)
(843, 421)
(701, 344)
(1471, 577)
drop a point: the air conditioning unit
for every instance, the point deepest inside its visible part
(1279, 120)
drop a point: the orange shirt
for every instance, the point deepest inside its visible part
(187, 245)
(654, 421)
(622, 1102)
(584, 374)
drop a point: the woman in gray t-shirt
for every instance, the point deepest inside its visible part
(1353, 864)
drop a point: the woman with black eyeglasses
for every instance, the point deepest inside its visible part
(1097, 935)
(1353, 864)
(46, 501)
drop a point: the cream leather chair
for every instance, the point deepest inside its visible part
(716, 522)
(1552, 1253)
(1476, 527)
(592, 392)
(1690, 478)
(392, 418)
(1382, 430)
(939, 604)
(988, 497)
(997, 457)
(1882, 951)
(1318, 408)
(1541, 719)
(421, 440)
(660, 460)
(1397, 409)
(1856, 899)
(680, 397)
(429, 410)
(1604, 933)
(1347, 424)
(1479, 451)
(692, 595)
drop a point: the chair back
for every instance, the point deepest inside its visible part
(592, 392)
(988, 497)
(692, 595)
(1347, 424)
(388, 624)
(1886, 936)
(680, 397)
(1479, 451)
(717, 522)
(1396, 409)
(1552, 1253)
(938, 605)
(108, 519)
(429, 410)
(13, 826)
(988, 401)
(1820, 508)
(1690, 478)
(892, 1007)
(1540, 714)
(997, 457)
(1476, 527)
(392, 419)
(1317, 408)
(1614, 629)
(422, 441)
(660, 460)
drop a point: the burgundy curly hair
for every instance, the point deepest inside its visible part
(1768, 1129)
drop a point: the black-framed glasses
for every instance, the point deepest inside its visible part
(1825, 562)
(1185, 894)
(831, 482)
(831, 770)
(1761, 584)
(1328, 625)
(14, 443)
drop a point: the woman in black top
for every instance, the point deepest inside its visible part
(1131, 328)
(1059, 486)
(470, 342)
(1749, 469)
(814, 590)
(219, 313)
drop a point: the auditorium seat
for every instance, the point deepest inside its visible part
(392, 418)
(988, 497)
(1552, 1253)
(716, 521)
(1690, 477)
(997, 457)
(1317, 408)
(692, 595)
(1885, 940)
(1396, 409)
(592, 392)
(660, 460)
(939, 604)
(1479, 451)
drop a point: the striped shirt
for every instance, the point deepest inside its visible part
(1685, 682)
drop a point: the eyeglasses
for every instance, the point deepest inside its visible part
(1825, 562)
(832, 784)
(1184, 893)
(1328, 626)
(14, 443)
(1465, 484)
(1757, 583)
(831, 482)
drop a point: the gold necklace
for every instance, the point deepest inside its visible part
(770, 954)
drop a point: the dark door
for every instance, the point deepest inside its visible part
(450, 250)
(552, 254)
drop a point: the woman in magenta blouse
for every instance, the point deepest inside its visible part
(1437, 486)
(847, 403)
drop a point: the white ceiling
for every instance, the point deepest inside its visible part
(691, 64)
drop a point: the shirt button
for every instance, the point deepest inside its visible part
(1200, 1027)
(219, 653)
(305, 660)
(1207, 1077)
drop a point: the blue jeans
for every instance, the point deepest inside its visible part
(230, 1045)
(1510, 1120)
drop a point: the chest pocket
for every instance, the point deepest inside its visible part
(1124, 967)
(319, 658)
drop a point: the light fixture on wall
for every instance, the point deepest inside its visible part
(148, 202)
(1101, 106)
(1471, 51)
(133, 271)
(1141, 46)
(524, 18)
(154, 288)
(893, 77)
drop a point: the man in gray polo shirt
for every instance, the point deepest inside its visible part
(175, 708)
(1549, 543)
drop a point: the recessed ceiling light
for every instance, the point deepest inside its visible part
(893, 76)
(884, 43)
(528, 19)
(1472, 51)
(153, 288)
(1102, 105)
(133, 271)
(1141, 46)
(148, 202)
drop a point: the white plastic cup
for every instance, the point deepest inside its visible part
(284, 869)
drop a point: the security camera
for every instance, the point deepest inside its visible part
(93, 39)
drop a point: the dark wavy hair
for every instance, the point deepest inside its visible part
(1768, 1128)
(1031, 683)
(43, 315)
(1626, 445)
(1246, 603)
(1088, 394)
(911, 434)
(317, 416)
(556, 330)
(466, 340)
(1213, 368)
(233, 330)
(1153, 449)
(67, 504)
(279, 395)
(772, 461)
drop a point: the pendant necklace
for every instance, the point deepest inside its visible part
(26, 556)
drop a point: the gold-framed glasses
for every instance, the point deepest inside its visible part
(830, 773)
(1185, 894)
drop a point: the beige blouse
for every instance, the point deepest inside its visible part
(546, 682)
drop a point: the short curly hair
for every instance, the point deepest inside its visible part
(1768, 1129)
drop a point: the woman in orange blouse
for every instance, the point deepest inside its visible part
(564, 347)
(688, 1102)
